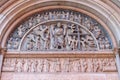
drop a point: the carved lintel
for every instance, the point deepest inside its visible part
(58, 65)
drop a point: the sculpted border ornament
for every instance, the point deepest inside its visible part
(59, 30)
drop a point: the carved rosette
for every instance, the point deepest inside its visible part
(59, 30)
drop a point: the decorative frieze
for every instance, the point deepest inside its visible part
(58, 65)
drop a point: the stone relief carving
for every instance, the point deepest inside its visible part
(56, 65)
(60, 36)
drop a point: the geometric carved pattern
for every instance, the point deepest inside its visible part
(56, 65)
(59, 30)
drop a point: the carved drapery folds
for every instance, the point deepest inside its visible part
(59, 30)
(56, 65)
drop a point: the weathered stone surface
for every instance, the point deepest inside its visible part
(59, 76)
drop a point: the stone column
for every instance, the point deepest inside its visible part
(2, 52)
(117, 54)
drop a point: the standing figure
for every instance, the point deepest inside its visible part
(90, 65)
(76, 66)
(26, 66)
(19, 65)
(52, 37)
(107, 43)
(46, 66)
(59, 34)
(74, 43)
(96, 65)
(84, 65)
(66, 63)
(57, 65)
(33, 66)
(97, 31)
(40, 65)
(20, 32)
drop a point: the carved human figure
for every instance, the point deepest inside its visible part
(38, 42)
(40, 65)
(50, 15)
(25, 66)
(30, 45)
(112, 62)
(83, 43)
(66, 63)
(79, 18)
(71, 16)
(87, 23)
(84, 65)
(57, 65)
(67, 15)
(52, 66)
(52, 45)
(58, 14)
(90, 65)
(38, 18)
(97, 31)
(20, 32)
(76, 18)
(54, 15)
(13, 63)
(46, 16)
(10, 43)
(68, 42)
(109, 64)
(46, 40)
(19, 65)
(87, 42)
(6, 62)
(73, 43)
(90, 42)
(101, 43)
(30, 22)
(76, 66)
(44, 35)
(107, 43)
(46, 67)
(63, 15)
(33, 66)
(58, 34)
(16, 43)
(96, 65)
(100, 61)
(42, 17)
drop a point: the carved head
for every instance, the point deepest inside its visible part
(58, 24)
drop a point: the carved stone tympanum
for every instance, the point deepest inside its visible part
(58, 30)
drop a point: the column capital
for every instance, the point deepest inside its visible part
(2, 50)
(116, 50)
